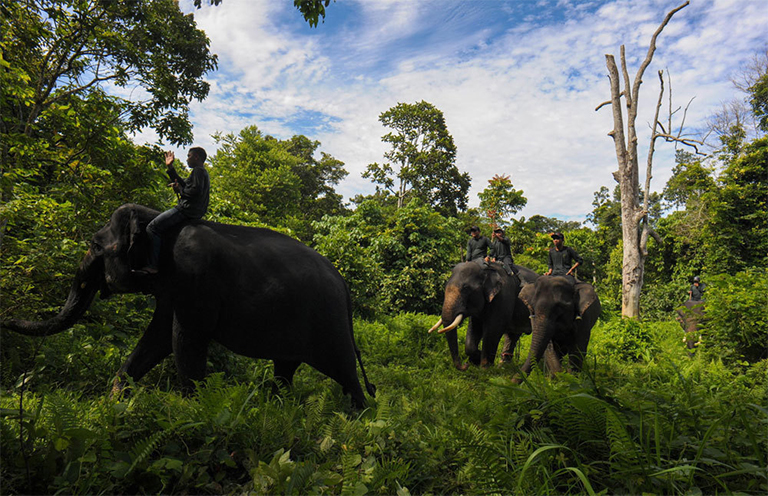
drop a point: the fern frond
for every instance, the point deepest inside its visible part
(624, 451)
(144, 448)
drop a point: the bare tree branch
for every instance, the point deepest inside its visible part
(626, 77)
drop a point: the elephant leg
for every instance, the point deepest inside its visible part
(472, 342)
(190, 349)
(488, 353)
(284, 370)
(453, 347)
(578, 350)
(344, 371)
(152, 348)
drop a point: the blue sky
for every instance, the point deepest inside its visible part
(518, 81)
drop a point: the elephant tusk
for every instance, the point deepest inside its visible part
(453, 326)
(436, 325)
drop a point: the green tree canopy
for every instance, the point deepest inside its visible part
(690, 180)
(500, 199)
(738, 209)
(277, 182)
(393, 259)
(759, 101)
(54, 50)
(424, 154)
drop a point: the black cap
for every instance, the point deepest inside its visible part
(499, 230)
(474, 228)
(558, 236)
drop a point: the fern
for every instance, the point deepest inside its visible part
(486, 464)
(63, 416)
(144, 448)
(624, 451)
(351, 485)
(315, 410)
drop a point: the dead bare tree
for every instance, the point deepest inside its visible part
(633, 214)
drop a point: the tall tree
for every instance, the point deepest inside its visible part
(424, 154)
(278, 182)
(500, 199)
(60, 59)
(633, 215)
(738, 209)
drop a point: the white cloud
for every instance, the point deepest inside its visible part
(519, 96)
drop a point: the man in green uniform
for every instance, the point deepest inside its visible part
(563, 261)
(193, 194)
(697, 290)
(501, 250)
(477, 246)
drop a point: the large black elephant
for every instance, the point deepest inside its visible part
(486, 295)
(690, 315)
(555, 302)
(257, 292)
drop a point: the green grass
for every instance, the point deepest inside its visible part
(631, 423)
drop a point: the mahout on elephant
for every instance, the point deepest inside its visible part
(562, 316)
(257, 292)
(690, 315)
(487, 295)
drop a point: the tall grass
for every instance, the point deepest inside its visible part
(630, 423)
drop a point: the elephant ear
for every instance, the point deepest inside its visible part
(526, 296)
(586, 295)
(492, 285)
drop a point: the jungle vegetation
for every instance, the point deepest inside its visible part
(643, 417)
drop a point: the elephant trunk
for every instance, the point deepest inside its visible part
(453, 312)
(81, 294)
(540, 338)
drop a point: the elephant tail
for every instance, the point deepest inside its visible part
(368, 386)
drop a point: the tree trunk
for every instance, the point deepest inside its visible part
(627, 176)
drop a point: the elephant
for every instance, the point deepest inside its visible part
(488, 296)
(689, 315)
(259, 293)
(557, 329)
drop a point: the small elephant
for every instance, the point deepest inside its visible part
(257, 292)
(562, 315)
(689, 316)
(486, 295)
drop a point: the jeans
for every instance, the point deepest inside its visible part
(157, 228)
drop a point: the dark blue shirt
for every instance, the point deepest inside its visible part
(195, 191)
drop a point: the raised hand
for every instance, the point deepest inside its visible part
(169, 158)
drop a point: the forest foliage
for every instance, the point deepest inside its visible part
(642, 417)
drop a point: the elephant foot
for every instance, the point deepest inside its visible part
(506, 358)
(117, 389)
(461, 366)
(517, 379)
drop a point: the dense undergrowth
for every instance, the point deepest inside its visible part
(642, 418)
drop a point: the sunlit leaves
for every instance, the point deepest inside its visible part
(422, 159)
(500, 199)
(279, 181)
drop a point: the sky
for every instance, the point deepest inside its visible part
(518, 81)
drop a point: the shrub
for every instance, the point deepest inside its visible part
(625, 340)
(736, 327)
